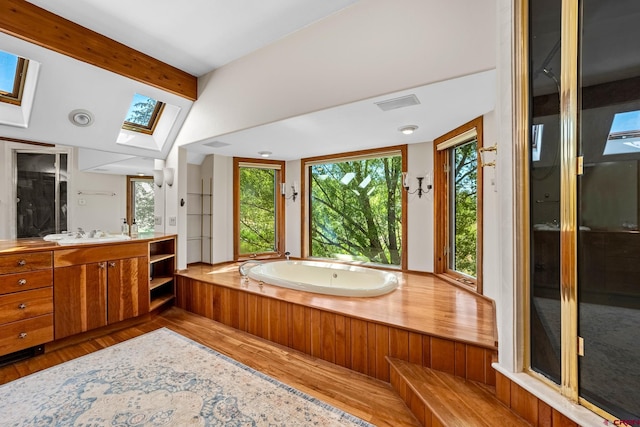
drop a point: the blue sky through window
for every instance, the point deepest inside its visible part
(141, 110)
(624, 135)
(8, 64)
(624, 122)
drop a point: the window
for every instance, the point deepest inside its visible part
(13, 72)
(624, 135)
(143, 114)
(259, 208)
(140, 203)
(356, 207)
(458, 204)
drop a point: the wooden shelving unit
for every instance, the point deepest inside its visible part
(162, 266)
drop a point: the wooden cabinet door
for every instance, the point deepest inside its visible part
(127, 288)
(80, 293)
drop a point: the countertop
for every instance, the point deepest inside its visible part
(35, 244)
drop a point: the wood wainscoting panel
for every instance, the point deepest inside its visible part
(349, 341)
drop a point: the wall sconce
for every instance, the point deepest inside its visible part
(483, 160)
(168, 176)
(158, 177)
(406, 179)
(163, 176)
(294, 191)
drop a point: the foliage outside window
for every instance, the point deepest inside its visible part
(356, 207)
(143, 115)
(140, 202)
(259, 213)
(458, 200)
(13, 72)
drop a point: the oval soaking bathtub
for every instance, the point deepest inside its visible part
(325, 278)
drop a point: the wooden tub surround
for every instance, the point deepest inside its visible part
(425, 323)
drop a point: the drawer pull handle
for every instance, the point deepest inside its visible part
(22, 282)
(112, 264)
(22, 262)
(22, 335)
(22, 306)
(101, 264)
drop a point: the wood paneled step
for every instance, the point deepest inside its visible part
(440, 399)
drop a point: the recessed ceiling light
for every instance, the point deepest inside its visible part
(264, 153)
(82, 118)
(408, 130)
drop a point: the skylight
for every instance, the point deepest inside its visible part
(13, 71)
(143, 114)
(624, 135)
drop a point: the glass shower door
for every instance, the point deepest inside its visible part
(609, 207)
(41, 193)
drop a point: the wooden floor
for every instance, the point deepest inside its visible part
(360, 395)
(422, 303)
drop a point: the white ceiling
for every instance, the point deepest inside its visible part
(196, 36)
(199, 36)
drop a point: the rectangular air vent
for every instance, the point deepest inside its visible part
(401, 102)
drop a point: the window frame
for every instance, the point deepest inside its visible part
(15, 97)
(153, 121)
(442, 218)
(305, 220)
(131, 194)
(279, 167)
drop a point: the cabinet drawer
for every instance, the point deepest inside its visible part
(105, 252)
(26, 304)
(24, 281)
(26, 333)
(18, 263)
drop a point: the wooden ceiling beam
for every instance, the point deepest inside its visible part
(26, 21)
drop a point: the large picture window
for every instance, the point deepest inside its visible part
(458, 201)
(259, 208)
(355, 207)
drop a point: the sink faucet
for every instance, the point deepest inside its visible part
(80, 234)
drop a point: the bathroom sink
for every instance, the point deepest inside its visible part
(65, 239)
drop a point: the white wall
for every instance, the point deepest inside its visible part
(222, 212)
(292, 211)
(99, 212)
(372, 48)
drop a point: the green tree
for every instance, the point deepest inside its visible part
(356, 210)
(257, 210)
(465, 167)
(142, 112)
(144, 205)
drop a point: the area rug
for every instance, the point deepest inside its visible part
(160, 379)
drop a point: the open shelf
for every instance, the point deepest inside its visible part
(156, 282)
(162, 258)
(157, 302)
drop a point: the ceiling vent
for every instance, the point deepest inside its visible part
(395, 103)
(216, 144)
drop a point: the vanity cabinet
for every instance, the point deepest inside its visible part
(98, 286)
(26, 301)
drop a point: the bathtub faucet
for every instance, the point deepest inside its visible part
(287, 255)
(241, 267)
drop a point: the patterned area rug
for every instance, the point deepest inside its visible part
(160, 379)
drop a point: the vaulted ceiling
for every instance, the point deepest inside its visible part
(95, 55)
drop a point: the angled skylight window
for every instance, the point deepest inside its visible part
(143, 115)
(13, 72)
(624, 135)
